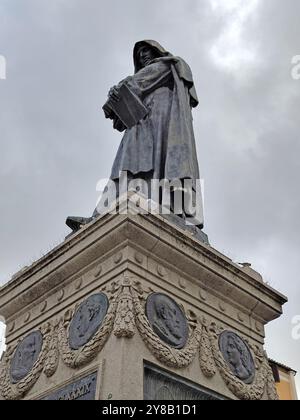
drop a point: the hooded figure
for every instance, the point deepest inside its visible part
(161, 145)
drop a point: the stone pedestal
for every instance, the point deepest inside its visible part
(134, 307)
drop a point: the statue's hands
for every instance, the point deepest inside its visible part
(113, 94)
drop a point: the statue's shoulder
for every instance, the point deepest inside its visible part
(183, 65)
(157, 66)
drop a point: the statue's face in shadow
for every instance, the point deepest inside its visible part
(145, 55)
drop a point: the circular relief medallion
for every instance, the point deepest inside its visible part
(238, 356)
(26, 355)
(167, 320)
(87, 320)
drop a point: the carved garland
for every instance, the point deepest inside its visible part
(241, 390)
(125, 314)
(206, 358)
(162, 351)
(205, 339)
(82, 356)
(124, 322)
(46, 362)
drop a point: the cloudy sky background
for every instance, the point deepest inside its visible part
(63, 56)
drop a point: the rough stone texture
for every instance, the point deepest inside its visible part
(127, 257)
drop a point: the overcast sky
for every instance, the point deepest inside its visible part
(63, 56)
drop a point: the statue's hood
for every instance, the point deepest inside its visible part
(154, 44)
(182, 68)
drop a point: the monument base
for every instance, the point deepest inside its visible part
(134, 307)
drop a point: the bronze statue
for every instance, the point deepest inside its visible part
(153, 107)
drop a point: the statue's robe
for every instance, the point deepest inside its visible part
(163, 143)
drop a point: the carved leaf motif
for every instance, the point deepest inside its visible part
(207, 361)
(124, 322)
(52, 358)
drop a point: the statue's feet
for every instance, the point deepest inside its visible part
(76, 223)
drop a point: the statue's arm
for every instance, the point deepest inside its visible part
(140, 85)
(145, 81)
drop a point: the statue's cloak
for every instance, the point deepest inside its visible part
(163, 143)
